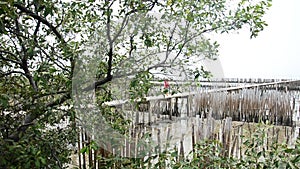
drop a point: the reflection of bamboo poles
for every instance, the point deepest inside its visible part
(181, 152)
(249, 105)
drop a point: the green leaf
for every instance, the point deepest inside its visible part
(190, 17)
(48, 11)
(37, 164)
(52, 70)
(3, 100)
(169, 2)
(174, 154)
(197, 76)
(83, 150)
(43, 160)
(148, 42)
(296, 160)
(180, 46)
(288, 150)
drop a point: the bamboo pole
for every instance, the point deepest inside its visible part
(158, 141)
(95, 158)
(168, 138)
(83, 145)
(90, 159)
(79, 147)
(193, 138)
(169, 103)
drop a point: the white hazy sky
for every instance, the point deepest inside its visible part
(275, 53)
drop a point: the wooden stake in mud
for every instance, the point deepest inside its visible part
(176, 112)
(158, 141)
(168, 138)
(235, 140)
(137, 117)
(90, 153)
(149, 113)
(79, 148)
(82, 141)
(170, 108)
(187, 107)
(193, 137)
(95, 158)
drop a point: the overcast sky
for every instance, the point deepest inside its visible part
(275, 53)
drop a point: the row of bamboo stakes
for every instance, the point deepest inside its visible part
(247, 105)
(227, 132)
(206, 116)
(251, 105)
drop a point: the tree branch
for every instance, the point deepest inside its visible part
(98, 83)
(168, 44)
(19, 38)
(24, 66)
(16, 49)
(60, 100)
(131, 45)
(24, 61)
(50, 93)
(108, 27)
(184, 43)
(36, 28)
(11, 72)
(111, 40)
(29, 118)
(7, 59)
(57, 62)
(39, 18)
(124, 23)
